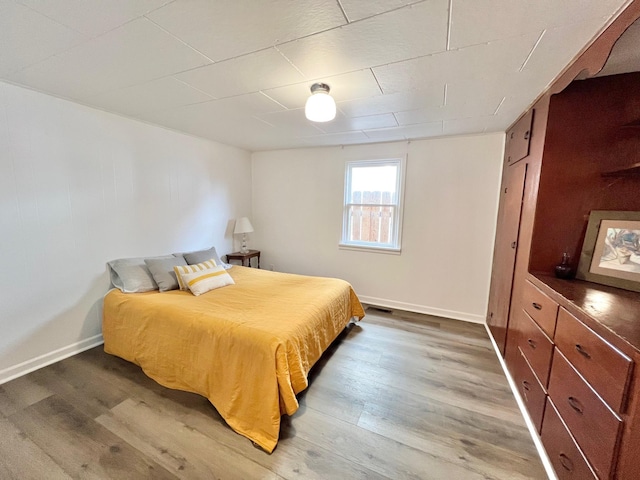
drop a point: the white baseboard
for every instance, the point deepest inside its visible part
(48, 358)
(532, 429)
(410, 307)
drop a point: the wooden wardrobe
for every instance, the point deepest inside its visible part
(572, 347)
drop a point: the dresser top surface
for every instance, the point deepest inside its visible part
(610, 309)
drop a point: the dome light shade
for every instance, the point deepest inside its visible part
(320, 106)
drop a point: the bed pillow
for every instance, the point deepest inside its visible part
(180, 270)
(162, 271)
(207, 279)
(202, 256)
(131, 275)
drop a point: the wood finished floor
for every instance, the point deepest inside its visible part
(396, 396)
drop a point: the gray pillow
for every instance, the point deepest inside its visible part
(131, 275)
(162, 271)
(200, 256)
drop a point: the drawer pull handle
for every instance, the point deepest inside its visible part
(537, 306)
(582, 351)
(531, 343)
(575, 404)
(526, 385)
(566, 462)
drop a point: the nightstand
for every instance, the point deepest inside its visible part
(244, 256)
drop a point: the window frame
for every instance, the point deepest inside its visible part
(396, 246)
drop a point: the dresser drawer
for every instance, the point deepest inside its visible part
(601, 364)
(532, 393)
(592, 423)
(565, 456)
(536, 346)
(540, 307)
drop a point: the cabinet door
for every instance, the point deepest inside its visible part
(518, 139)
(504, 253)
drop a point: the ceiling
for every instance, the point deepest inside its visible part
(625, 54)
(239, 71)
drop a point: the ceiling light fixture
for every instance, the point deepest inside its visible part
(320, 106)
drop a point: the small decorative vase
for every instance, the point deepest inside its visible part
(563, 270)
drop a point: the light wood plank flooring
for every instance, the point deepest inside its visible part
(397, 396)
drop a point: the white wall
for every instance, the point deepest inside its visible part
(79, 187)
(451, 201)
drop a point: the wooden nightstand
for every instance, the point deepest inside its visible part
(244, 256)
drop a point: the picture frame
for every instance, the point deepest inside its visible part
(611, 250)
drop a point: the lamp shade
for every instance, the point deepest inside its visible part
(243, 225)
(320, 106)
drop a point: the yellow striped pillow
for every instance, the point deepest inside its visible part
(198, 267)
(207, 279)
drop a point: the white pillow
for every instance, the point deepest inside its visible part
(206, 280)
(182, 269)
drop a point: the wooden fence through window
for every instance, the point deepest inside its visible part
(371, 217)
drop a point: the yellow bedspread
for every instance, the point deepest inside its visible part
(247, 347)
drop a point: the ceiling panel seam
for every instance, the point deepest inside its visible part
(272, 99)
(54, 20)
(449, 21)
(526, 60)
(290, 62)
(344, 14)
(213, 97)
(186, 44)
(337, 27)
(377, 81)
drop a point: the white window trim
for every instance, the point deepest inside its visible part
(395, 249)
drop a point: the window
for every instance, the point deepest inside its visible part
(373, 204)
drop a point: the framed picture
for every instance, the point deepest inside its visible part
(611, 250)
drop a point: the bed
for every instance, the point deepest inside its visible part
(247, 347)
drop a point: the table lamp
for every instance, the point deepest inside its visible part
(243, 226)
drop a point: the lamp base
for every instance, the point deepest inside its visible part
(244, 248)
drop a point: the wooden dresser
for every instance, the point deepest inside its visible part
(578, 345)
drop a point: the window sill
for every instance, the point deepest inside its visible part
(371, 249)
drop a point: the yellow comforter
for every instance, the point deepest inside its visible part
(247, 347)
